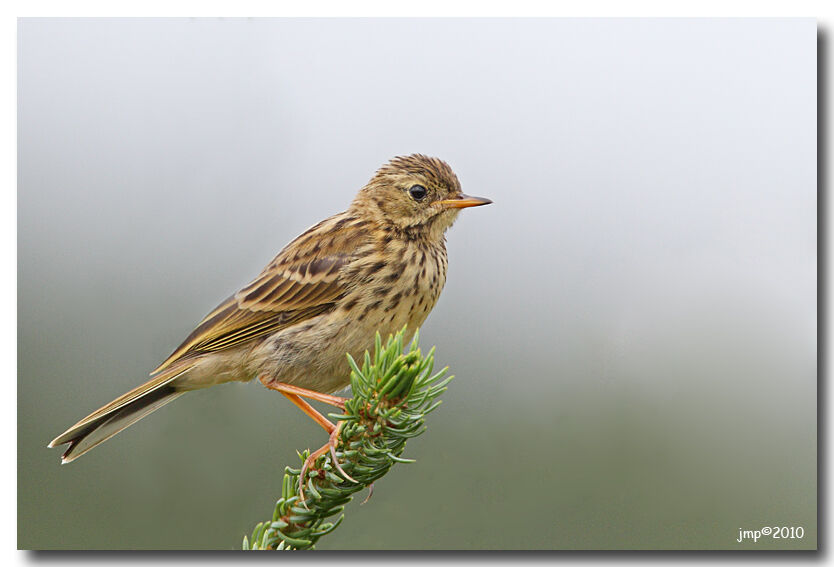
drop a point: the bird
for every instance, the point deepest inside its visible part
(378, 266)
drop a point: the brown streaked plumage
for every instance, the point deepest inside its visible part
(378, 266)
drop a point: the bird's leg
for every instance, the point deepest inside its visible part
(294, 393)
(305, 393)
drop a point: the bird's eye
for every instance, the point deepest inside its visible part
(417, 192)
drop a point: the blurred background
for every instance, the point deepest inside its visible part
(632, 324)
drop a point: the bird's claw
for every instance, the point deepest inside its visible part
(370, 493)
(334, 440)
(311, 459)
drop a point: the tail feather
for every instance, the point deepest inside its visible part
(119, 414)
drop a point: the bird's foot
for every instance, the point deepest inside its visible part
(295, 395)
(331, 444)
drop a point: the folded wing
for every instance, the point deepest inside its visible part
(296, 286)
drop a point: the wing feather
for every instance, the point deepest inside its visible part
(297, 285)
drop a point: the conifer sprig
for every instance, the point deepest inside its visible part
(392, 394)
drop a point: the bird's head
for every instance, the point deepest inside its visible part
(415, 192)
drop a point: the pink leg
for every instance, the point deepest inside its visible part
(294, 393)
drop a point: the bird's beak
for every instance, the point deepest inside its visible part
(462, 201)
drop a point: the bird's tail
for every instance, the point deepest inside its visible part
(119, 414)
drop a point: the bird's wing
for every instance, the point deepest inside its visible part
(301, 282)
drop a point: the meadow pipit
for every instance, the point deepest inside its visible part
(378, 266)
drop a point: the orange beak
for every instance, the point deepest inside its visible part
(462, 201)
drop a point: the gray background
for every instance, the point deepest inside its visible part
(632, 323)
